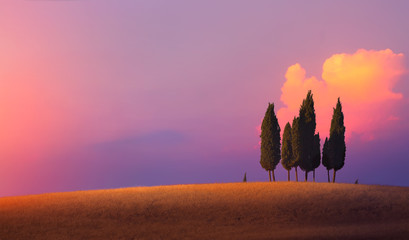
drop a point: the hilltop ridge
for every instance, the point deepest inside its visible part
(280, 210)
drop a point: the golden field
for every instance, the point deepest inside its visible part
(282, 210)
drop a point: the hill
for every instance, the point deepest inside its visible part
(212, 211)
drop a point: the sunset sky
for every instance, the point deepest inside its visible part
(104, 94)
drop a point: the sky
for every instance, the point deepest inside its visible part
(99, 94)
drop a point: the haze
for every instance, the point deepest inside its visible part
(103, 94)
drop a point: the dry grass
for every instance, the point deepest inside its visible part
(212, 211)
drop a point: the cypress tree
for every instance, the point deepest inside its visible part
(336, 143)
(307, 132)
(316, 160)
(325, 158)
(245, 177)
(270, 141)
(287, 159)
(296, 144)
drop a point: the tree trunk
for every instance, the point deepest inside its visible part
(306, 176)
(269, 175)
(288, 171)
(328, 175)
(296, 174)
(274, 178)
(313, 175)
(333, 178)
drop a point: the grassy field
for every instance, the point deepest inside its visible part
(212, 211)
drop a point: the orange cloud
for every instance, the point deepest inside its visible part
(364, 81)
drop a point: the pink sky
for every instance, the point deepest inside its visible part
(99, 94)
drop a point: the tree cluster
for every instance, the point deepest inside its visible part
(301, 145)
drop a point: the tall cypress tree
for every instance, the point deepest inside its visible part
(316, 160)
(325, 158)
(296, 144)
(270, 141)
(287, 159)
(307, 132)
(336, 143)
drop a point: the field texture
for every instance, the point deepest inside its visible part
(212, 211)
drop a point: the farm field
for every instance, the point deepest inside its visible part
(281, 210)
